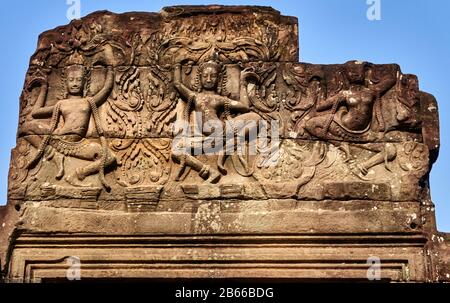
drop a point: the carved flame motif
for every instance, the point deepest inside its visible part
(263, 92)
(238, 50)
(160, 102)
(142, 161)
(123, 117)
(305, 88)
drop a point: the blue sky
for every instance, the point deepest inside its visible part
(412, 33)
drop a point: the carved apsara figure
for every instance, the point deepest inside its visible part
(69, 123)
(208, 101)
(352, 111)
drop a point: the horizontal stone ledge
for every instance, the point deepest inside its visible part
(206, 220)
(252, 261)
(74, 239)
(326, 204)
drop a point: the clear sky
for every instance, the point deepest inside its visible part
(412, 33)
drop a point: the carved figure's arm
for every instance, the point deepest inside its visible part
(181, 88)
(39, 110)
(103, 94)
(243, 105)
(106, 59)
(328, 103)
(383, 86)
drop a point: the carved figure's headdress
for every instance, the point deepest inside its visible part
(75, 59)
(216, 64)
(213, 62)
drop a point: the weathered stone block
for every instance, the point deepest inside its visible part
(191, 143)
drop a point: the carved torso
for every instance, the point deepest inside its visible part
(356, 114)
(208, 104)
(75, 114)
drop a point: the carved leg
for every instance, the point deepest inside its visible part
(34, 128)
(50, 154)
(385, 154)
(204, 171)
(93, 168)
(90, 152)
(388, 153)
(35, 141)
(315, 126)
(221, 162)
(60, 165)
(249, 129)
(343, 146)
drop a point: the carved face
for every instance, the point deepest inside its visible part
(356, 72)
(209, 76)
(75, 80)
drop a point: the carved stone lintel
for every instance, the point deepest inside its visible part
(192, 143)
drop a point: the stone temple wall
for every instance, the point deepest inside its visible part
(192, 143)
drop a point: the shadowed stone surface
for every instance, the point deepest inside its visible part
(331, 171)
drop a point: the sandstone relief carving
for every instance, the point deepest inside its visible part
(69, 122)
(92, 107)
(202, 121)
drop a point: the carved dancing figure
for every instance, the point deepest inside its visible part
(352, 112)
(70, 120)
(209, 103)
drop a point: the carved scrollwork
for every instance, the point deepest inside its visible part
(122, 114)
(160, 101)
(142, 161)
(103, 93)
(231, 37)
(293, 162)
(85, 38)
(262, 91)
(306, 87)
(410, 159)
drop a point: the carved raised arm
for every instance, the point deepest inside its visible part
(107, 60)
(39, 108)
(181, 88)
(384, 85)
(103, 94)
(244, 102)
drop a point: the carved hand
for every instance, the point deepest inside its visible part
(106, 57)
(41, 78)
(247, 74)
